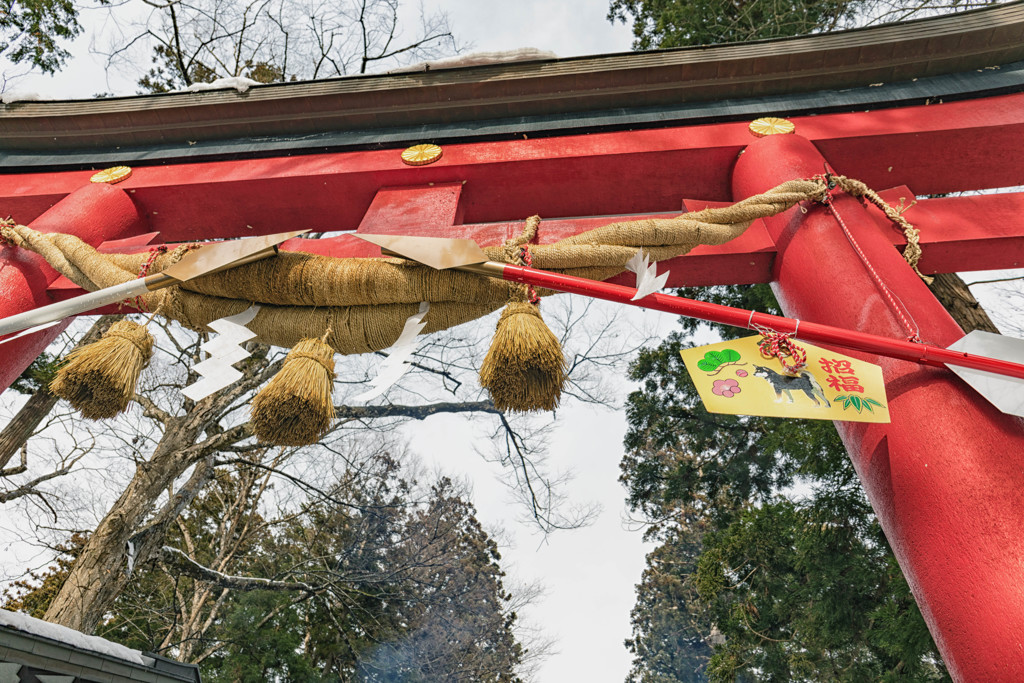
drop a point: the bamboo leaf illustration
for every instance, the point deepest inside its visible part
(856, 402)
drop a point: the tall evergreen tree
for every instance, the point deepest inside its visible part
(771, 565)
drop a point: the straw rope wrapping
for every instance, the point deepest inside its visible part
(99, 379)
(524, 369)
(366, 301)
(295, 407)
(912, 253)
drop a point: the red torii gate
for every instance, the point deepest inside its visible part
(946, 477)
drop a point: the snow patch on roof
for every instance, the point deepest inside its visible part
(72, 638)
(15, 96)
(239, 83)
(522, 54)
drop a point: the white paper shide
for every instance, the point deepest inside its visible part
(394, 366)
(224, 350)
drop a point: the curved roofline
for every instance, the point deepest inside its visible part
(556, 96)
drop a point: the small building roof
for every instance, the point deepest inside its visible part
(32, 649)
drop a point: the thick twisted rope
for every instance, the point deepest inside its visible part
(365, 301)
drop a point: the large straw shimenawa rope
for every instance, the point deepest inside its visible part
(366, 301)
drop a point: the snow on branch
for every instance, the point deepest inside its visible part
(186, 565)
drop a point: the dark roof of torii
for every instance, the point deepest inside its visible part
(960, 56)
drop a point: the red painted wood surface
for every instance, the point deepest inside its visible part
(937, 148)
(93, 212)
(945, 478)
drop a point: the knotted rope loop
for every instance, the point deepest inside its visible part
(143, 343)
(316, 357)
(780, 345)
(912, 253)
(516, 251)
(6, 234)
(895, 304)
(154, 253)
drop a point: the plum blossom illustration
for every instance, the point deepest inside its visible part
(726, 388)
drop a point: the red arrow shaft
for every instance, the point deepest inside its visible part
(925, 354)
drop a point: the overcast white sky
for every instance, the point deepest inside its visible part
(590, 573)
(567, 28)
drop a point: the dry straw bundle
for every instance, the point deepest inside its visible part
(99, 379)
(295, 408)
(524, 369)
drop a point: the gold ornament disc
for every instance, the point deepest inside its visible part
(770, 125)
(421, 155)
(112, 175)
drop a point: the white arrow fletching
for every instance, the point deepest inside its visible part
(1005, 393)
(647, 279)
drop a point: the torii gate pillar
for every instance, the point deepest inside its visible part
(946, 477)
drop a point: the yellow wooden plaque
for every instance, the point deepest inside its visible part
(733, 377)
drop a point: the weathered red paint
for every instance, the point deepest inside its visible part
(93, 212)
(945, 478)
(936, 148)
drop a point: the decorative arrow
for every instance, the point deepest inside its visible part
(211, 258)
(475, 261)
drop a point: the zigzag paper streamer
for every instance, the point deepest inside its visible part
(647, 279)
(394, 366)
(224, 352)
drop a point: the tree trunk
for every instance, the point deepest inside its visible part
(100, 572)
(24, 423)
(39, 405)
(953, 294)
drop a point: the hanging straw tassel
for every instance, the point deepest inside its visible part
(524, 369)
(295, 408)
(99, 379)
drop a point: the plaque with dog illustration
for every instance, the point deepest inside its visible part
(734, 377)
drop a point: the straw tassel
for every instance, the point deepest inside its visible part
(295, 408)
(99, 379)
(524, 369)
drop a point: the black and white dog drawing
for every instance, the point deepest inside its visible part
(787, 384)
